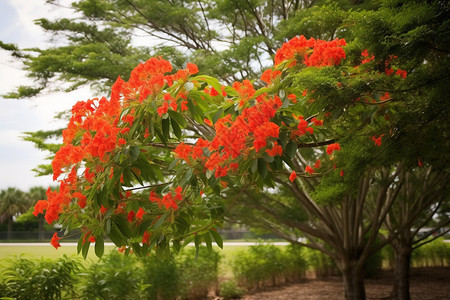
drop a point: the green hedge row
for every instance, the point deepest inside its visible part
(115, 276)
(188, 275)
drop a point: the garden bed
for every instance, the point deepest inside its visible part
(430, 283)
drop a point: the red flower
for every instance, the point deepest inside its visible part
(103, 209)
(419, 162)
(39, 207)
(276, 150)
(309, 170)
(333, 147)
(207, 122)
(269, 75)
(146, 238)
(317, 164)
(402, 73)
(54, 241)
(293, 176)
(192, 68)
(140, 213)
(377, 140)
(341, 173)
(386, 96)
(92, 239)
(130, 216)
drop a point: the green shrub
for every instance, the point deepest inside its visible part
(161, 276)
(115, 276)
(321, 264)
(198, 273)
(267, 265)
(432, 254)
(230, 290)
(39, 279)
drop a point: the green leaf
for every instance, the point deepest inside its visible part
(217, 115)
(165, 124)
(99, 246)
(161, 220)
(176, 128)
(262, 168)
(207, 238)
(85, 249)
(134, 153)
(178, 118)
(217, 238)
(79, 245)
(291, 149)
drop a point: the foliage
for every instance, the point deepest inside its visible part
(230, 290)
(115, 276)
(198, 269)
(44, 279)
(161, 276)
(267, 265)
(435, 253)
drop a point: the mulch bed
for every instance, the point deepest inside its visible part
(425, 284)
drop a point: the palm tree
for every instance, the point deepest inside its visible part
(12, 202)
(35, 194)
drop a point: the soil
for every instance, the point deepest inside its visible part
(431, 283)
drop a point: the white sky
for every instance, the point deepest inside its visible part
(17, 157)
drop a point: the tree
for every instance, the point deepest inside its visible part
(228, 39)
(422, 194)
(185, 136)
(370, 104)
(36, 194)
(12, 203)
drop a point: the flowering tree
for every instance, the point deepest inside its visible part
(150, 166)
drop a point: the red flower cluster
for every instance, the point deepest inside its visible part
(54, 242)
(377, 140)
(245, 91)
(252, 128)
(333, 147)
(168, 200)
(315, 53)
(269, 75)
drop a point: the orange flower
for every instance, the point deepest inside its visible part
(54, 241)
(192, 68)
(333, 147)
(293, 176)
(140, 213)
(309, 170)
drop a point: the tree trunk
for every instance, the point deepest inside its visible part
(41, 227)
(10, 228)
(353, 282)
(400, 290)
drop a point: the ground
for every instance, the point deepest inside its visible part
(426, 284)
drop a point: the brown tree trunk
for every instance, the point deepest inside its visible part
(400, 290)
(10, 229)
(353, 278)
(41, 227)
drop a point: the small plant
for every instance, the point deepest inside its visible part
(115, 276)
(199, 272)
(230, 290)
(161, 277)
(39, 279)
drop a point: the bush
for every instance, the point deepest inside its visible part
(198, 273)
(39, 279)
(433, 254)
(115, 276)
(267, 265)
(161, 277)
(230, 290)
(321, 264)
